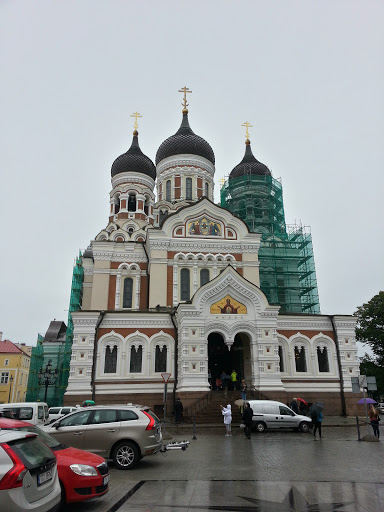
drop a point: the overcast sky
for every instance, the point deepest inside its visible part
(307, 75)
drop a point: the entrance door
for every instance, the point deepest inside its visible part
(221, 359)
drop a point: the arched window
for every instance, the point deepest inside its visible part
(161, 359)
(281, 357)
(110, 362)
(206, 189)
(204, 276)
(168, 190)
(322, 359)
(117, 205)
(146, 206)
(136, 359)
(300, 361)
(163, 215)
(132, 203)
(188, 188)
(127, 292)
(184, 284)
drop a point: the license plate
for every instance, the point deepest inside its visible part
(44, 477)
(106, 479)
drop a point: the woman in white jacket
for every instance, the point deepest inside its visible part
(227, 413)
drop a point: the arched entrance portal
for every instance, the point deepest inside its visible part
(220, 358)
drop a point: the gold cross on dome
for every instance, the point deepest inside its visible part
(247, 125)
(185, 90)
(222, 181)
(136, 115)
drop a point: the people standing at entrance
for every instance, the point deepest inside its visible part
(243, 389)
(178, 410)
(247, 420)
(294, 406)
(218, 383)
(374, 418)
(209, 378)
(225, 378)
(227, 413)
(234, 379)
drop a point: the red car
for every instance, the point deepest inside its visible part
(82, 475)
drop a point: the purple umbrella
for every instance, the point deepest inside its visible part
(367, 401)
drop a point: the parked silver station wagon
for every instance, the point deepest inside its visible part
(270, 414)
(123, 433)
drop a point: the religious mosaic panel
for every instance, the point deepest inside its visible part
(204, 226)
(228, 306)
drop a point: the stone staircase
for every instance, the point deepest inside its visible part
(209, 412)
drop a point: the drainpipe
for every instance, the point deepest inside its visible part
(176, 356)
(146, 271)
(343, 406)
(93, 385)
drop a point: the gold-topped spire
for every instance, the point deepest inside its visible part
(185, 90)
(136, 115)
(247, 125)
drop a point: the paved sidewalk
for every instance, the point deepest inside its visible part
(273, 472)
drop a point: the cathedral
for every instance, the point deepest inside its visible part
(176, 284)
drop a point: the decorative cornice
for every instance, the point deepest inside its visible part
(202, 245)
(119, 257)
(179, 161)
(137, 322)
(134, 177)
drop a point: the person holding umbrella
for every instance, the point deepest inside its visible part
(374, 418)
(317, 417)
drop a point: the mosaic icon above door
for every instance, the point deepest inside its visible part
(204, 227)
(228, 306)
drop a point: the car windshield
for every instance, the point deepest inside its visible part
(48, 440)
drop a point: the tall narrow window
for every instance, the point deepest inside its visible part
(163, 215)
(161, 359)
(168, 190)
(110, 362)
(206, 189)
(322, 359)
(204, 276)
(185, 284)
(301, 363)
(281, 357)
(132, 203)
(127, 292)
(117, 205)
(146, 206)
(188, 188)
(136, 359)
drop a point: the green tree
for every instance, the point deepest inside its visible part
(368, 366)
(370, 325)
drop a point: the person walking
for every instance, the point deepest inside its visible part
(234, 380)
(374, 418)
(317, 418)
(178, 410)
(247, 420)
(227, 413)
(243, 389)
(225, 378)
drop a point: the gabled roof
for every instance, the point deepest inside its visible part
(7, 347)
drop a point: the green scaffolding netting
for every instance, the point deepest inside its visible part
(58, 353)
(287, 265)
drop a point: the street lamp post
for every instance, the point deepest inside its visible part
(10, 388)
(47, 377)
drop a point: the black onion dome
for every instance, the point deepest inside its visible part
(134, 160)
(249, 165)
(185, 142)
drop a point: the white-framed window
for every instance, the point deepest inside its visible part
(168, 196)
(300, 358)
(185, 284)
(161, 358)
(4, 377)
(188, 189)
(110, 360)
(127, 292)
(322, 359)
(204, 276)
(136, 360)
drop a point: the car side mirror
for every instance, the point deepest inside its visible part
(57, 425)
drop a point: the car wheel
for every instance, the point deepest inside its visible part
(260, 427)
(304, 426)
(125, 455)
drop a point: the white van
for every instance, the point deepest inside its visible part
(271, 414)
(58, 412)
(31, 412)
